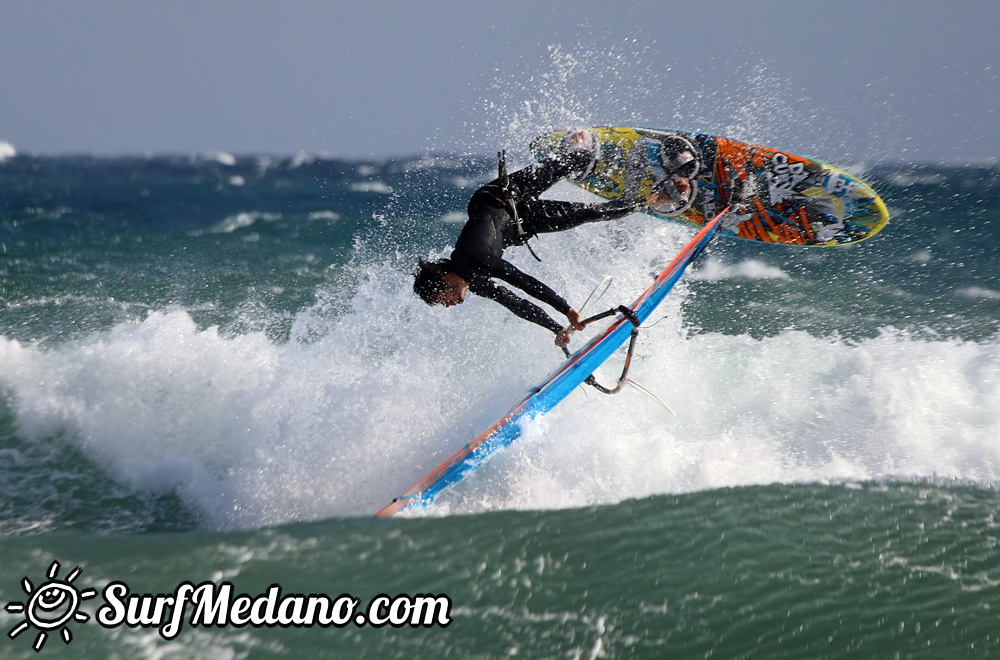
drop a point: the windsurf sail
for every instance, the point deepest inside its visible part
(576, 370)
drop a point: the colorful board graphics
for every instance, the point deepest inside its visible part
(777, 196)
(554, 389)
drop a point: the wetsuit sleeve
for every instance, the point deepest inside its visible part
(508, 273)
(542, 216)
(519, 306)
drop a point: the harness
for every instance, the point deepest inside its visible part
(508, 199)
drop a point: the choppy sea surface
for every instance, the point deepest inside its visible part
(212, 369)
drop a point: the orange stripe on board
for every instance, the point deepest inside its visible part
(762, 212)
(804, 221)
(734, 154)
(761, 232)
(791, 234)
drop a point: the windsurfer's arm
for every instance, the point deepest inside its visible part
(519, 306)
(505, 271)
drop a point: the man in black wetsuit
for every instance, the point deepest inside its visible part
(504, 213)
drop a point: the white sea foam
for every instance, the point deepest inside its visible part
(330, 216)
(372, 186)
(469, 183)
(220, 157)
(751, 269)
(241, 220)
(790, 408)
(455, 217)
(979, 292)
(904, 179)
(300, 159)
(7, 151)
(374, 389)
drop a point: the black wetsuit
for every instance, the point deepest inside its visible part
(478, 254)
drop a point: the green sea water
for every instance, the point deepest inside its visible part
(824, 571)
(213, 370)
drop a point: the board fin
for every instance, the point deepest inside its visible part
(652, 396)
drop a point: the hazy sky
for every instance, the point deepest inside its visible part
(910, 80)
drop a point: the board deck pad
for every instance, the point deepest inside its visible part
(786, 198)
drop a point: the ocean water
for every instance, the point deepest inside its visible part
(212, 370)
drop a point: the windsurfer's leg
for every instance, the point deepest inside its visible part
(574, 157)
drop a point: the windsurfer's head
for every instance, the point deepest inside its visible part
(436, 284)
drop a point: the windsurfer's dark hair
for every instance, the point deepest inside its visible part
(427, 280)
